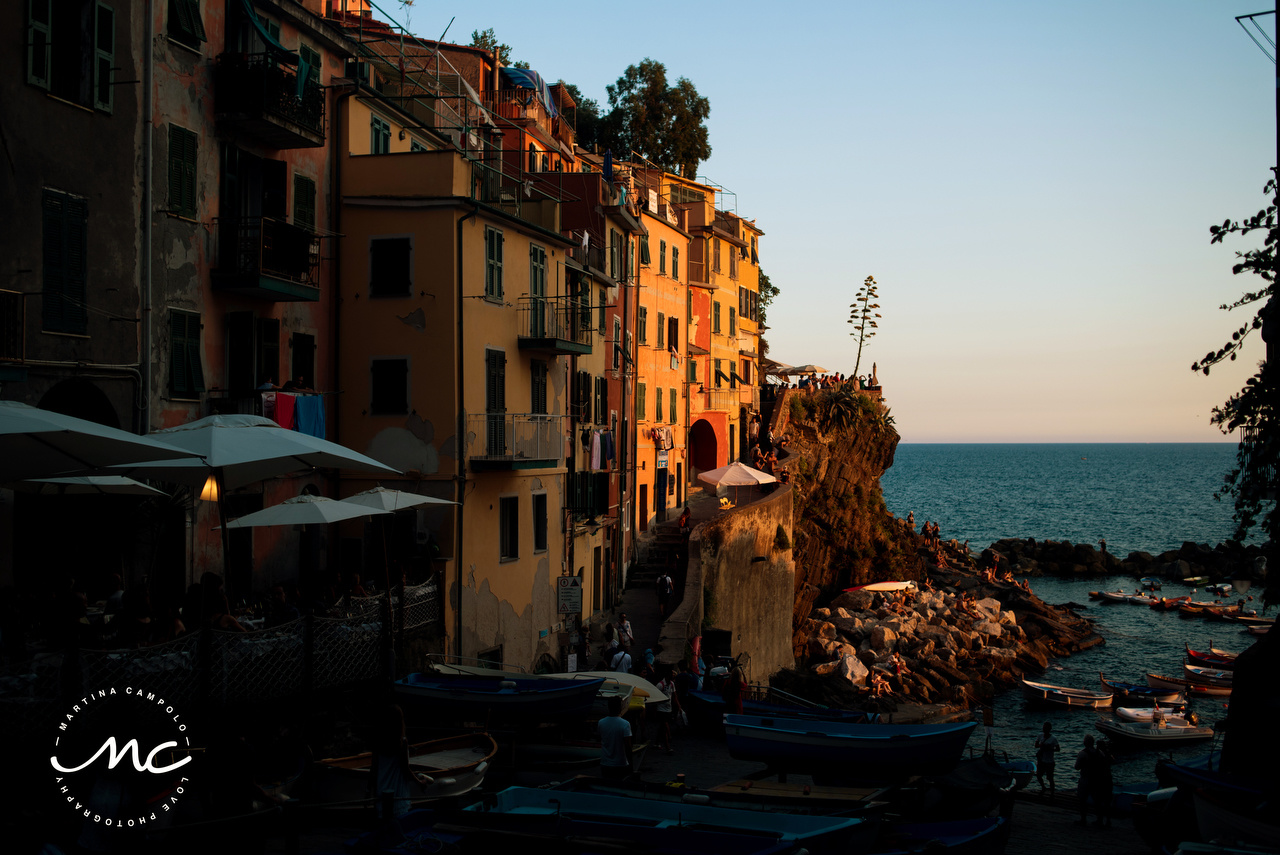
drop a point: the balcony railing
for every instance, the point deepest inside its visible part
(592, 256)
(269, 259)
(514, 440)
(554, 324)
(12, 327)
(723, 400)
(263, 98)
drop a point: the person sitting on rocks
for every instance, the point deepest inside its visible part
(879, 685)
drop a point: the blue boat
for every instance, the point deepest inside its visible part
(710, 707)
(503, 697)
(883, 750)
(647, 825)
(1138, 691)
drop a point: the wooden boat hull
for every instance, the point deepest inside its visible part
(1191, 689)
(765, 796)
(1218, 660)
(1064, 696)
(1149, 694)
(1169, 603)
(1176, 732)
(711, 707)
(1208, 676)
(513, 699)
(863, 750)
(456, 766)
(885, 587)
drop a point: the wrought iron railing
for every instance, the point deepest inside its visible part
(252, 246)
(554, 317)
(723, 400)
(514, 437)
(257, 84)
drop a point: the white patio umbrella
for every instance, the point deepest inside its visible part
(36, 443)
(807, 368)
(394, 500)
(304, 510)
(736, 475)
(85, 485)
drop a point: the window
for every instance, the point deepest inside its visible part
(675, 262)
(186, 378)
(71, 50)
(304, 202)
(602, 400)
(538, 386)
(693, 370)
(719, 375)
(746, 371)
(658, 415)
(182, 171)
(617, 344)
(662, 333)
(644, 252)
(253, 351)
(673, 334)
(493, 263)
(309, 64)
(640, 402)
(509, 524)
(539, 522)
(389, 386)
(615, 255)
(604, 300)
(662, 256)
(582, 396)
(715, 316)
(537, 290)
(715, 263)
(642, 324)
(533, 158)
(733, 264)
(379, 135)
(546, 164)
(673, 406)
(65, 235)
(390, 267)
(415, 146)
(733, 321)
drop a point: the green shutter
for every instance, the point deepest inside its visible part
(186, 377)
(672, 414)
(104, 46)
(185, 21)
(640, 402)
(658, 410)
(76, 269)
(644, 249)
(54, 252)
(183, 150)
(304, 202)
(39, 58)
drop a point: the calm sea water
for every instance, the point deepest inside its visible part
(1148, 497)
(1139, 497)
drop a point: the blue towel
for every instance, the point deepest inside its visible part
(308, 415)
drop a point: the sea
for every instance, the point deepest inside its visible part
(1136, 496)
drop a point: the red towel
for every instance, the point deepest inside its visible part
(284, 409)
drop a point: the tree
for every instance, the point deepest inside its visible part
(767, 292)
(663, 124)
(863, 314)
(1252, 410)
(586, 119)
(488, 40)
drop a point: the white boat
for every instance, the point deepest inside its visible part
(885, 586)
(1207, 676)
(1114, 596)
(1065, 696)
(1146, 715)
(1143, 599)
(1174, 731)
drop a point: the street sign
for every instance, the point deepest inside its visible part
(569, 595)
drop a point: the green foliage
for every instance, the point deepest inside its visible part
(488, 40)
(780, 539)
(862, 314)
(803, 467)
(1252, 411)
(663, 124)
(797, 408)
(585, 117)
(767, 292)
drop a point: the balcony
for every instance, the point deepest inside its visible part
(553, 325)
(263, 99)
(505, 441)
(723, 400)
(268, 259)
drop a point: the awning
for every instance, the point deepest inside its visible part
(273, 44)
(525, 78)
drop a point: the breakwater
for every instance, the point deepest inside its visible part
(1028, 556)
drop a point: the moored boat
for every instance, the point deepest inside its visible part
(1114, 596)
(1169, 603)
(528, 700)
(710, 707)
(1209, 676)
(764, 795)
(1065, 696)
(885, 587)
(1137, 691)
(1175, 730)
(1221, 589)
(1211, 658)
(1146, 715)
(1195, 581)
(1142, 600)
(957, 837)
(860, 750)
(1191, 689)
(452, 766)
(1150, 583)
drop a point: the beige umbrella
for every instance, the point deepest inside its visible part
(736, 475)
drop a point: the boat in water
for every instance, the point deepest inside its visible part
(1169, 603)
(453, 767)
(865, 751)
(524, 700)
(1137, 691)
(1064, 696)
(1146, 715)
(1189, 688)
(1114, 596)
(1174, 731)
(1143, 600)
(1150, 583)
(1208, 676)
(1211, 658)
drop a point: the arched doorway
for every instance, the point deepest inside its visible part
(702, 446)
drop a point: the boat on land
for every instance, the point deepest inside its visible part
(1188, 687)
(1210, 676)
(1174, 731)
(510, 698)
(647, 825)
(1211, 658)
(1138, 691)
(1169, 603)
(864, 751)
(453, 767)
(1065, 696)
(1146, 715)
(884, 587)
(710, 707)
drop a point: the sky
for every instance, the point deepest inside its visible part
(1030, 183)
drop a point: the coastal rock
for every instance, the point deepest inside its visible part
(823, 614)
(883, 638)
(854, 601)
(989, 627)
(989, 606)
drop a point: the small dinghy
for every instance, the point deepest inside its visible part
(1149, 583)
(1166, 604)
(1146, 715)
(1114, 596)
(1143, 600)
(1135, 691)
(1064, 696)
(1209, 676)
(1211, 658)
(1221, 589)
(1173, 732)
(452, 767)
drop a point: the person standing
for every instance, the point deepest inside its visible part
(1094, 767)
(735, 685)
(1047, 747)
(626, 637)
(666, 586)
(621, 660)
(664, 710)
(615, 742)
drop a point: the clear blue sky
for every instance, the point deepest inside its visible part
(1031, 184)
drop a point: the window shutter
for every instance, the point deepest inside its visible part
(54, 251)
(496, 385)
(178, 353)
(304, 202)
(644, 249)
(39, 57)
(673, 334)
(195, 368)
(672, 414)
(640, 402)
(104, 56)
(662, 329)
(76, 269)
(733, 321)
